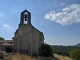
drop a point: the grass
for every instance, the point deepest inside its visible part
(26, 57)
(62, 57)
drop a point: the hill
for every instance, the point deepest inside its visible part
(78, 45)
(63, 50)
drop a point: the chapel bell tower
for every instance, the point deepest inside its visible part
(27, 39)
(25, 17)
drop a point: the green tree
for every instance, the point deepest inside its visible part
(75, 54)
(1, 38)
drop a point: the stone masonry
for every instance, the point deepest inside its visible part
(27, 38)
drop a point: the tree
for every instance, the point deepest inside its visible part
(9, 49)
(75, 54)
(1, 38)
(46, 50)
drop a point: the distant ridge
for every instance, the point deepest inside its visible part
(78, 45)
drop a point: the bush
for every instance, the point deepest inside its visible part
(1, 55)
(46, 50)
(9, 49)
(75, 54)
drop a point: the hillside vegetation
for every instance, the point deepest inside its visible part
(63, 50)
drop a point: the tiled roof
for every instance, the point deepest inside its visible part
(6, 40)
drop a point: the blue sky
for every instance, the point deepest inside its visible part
(59, 20)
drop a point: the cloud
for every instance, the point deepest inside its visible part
(2, 16)
(6, 26)
(63, 4)
(68, 15)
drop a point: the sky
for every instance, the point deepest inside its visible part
(59, 20)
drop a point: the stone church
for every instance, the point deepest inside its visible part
(27, 38)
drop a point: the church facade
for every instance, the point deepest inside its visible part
(27, 38)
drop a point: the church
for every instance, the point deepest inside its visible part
(27, 38)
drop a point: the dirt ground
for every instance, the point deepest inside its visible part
(62, 57)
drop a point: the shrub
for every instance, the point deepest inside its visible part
(75, 54)
(9, 49)
(46, 50)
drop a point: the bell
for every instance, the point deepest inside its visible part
(25, 17)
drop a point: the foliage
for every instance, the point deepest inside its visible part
(75, 54)
(45, 50)
(9, 49)
(63, 50)
(1, 38)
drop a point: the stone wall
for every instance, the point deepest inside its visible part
(4, 44)
(37, 39)
(28, 38)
